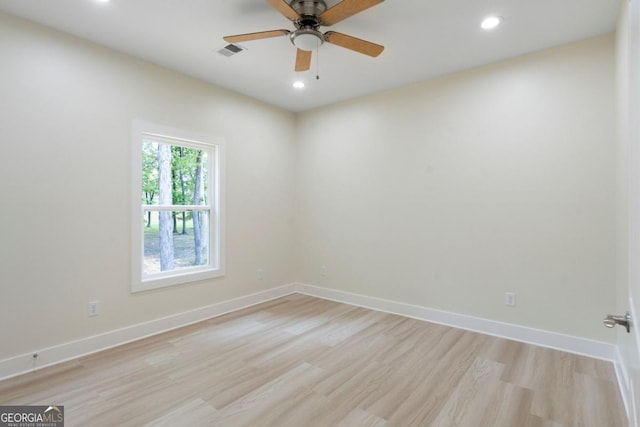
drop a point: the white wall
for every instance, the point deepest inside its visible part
(450, 192)
(66, 108)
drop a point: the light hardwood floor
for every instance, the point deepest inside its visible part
(302, 361)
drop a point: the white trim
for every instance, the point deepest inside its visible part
(170, 208)
(22, 364)
(622, 372)
(72, 350)
(176, 277)
(539, 337)
(215, 146)
(633, 409)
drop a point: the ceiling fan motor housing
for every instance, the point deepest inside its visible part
(309, 8)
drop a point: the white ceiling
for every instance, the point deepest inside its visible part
(422, 39)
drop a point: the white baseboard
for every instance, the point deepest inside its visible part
(24, 363)
(568, 343)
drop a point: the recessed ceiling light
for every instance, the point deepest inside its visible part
(491, 22)
(298, 84)
(102, 1)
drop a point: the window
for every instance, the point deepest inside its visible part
(178, 217)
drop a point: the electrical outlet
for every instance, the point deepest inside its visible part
(510, 299)
(93, 308)
(323, 270)
(260, 274)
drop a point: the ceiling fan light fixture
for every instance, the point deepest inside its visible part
(307, 39)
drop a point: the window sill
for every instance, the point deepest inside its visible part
(178, 278)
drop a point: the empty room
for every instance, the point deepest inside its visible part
(320, 213)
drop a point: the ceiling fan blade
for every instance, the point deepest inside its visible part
(256, 36)
(283, 7)
(303, 60)
(345, 9)
(353, 43)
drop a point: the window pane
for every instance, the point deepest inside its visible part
(175, 240)
(173, 175)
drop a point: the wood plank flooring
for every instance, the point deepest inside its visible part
(301, 361)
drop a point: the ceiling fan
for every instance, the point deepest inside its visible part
(308, 16)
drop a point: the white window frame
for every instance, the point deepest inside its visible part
(215, 146)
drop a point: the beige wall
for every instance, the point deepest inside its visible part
(445, 194)
(66, 108)
(451, 192)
